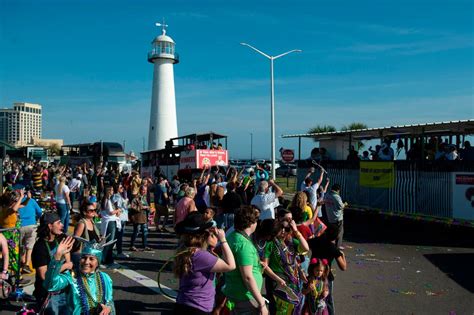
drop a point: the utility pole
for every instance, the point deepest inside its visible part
(251, 146)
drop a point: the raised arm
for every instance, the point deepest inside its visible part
(227, 263)
(320, 180)
(278, 190)
(54, 280)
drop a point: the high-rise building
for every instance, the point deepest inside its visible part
(21, 124)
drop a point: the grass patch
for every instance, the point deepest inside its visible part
(287, 184)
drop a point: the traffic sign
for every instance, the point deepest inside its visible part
(288, 155)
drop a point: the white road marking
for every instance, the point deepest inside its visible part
(146, 282)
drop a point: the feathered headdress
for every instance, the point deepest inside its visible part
(92, 247)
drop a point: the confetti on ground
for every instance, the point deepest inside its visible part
(430, 293)
(382, 261)
(358, 296)
(350, 247)
(403, 292)
(364, 255)
(418, 271)
(428, 286)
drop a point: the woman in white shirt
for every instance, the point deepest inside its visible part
(110, 221)
(120, 203)
(63, 202)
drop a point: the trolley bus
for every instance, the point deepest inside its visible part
(185, 156)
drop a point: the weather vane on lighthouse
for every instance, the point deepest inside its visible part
(163, 26)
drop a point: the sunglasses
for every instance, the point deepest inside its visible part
(91, 210)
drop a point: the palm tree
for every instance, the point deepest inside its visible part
(322, 128)
(354, 126)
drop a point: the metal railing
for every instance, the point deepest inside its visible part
(158, 54)
(419, 188)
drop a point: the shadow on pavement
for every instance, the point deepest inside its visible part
(458, 266)
(367, 227)
(138, 307)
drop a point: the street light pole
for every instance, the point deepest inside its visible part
(272, 97)
(251, 147)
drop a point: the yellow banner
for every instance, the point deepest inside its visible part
(377, 174)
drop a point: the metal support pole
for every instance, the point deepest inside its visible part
(251, 146)
(1, 175)
(299, 148)
(272, 97)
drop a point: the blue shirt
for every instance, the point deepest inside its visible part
(30, 213)
(160, 190)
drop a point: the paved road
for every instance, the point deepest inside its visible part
(393, 268)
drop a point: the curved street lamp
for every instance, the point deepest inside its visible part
(272, 96)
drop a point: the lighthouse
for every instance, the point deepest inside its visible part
(163, 123)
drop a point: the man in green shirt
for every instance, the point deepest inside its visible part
(243, 285)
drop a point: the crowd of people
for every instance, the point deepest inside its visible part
(236, 234)
(435, 149)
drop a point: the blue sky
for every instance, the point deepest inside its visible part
(378, 62)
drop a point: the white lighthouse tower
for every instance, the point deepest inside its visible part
(163, 123)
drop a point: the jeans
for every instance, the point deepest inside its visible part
(330, 300)
(107, 253)
(63, 212)
(57, 305)
(144, 230)
(73, 196)
(119, 235)
(269, 285)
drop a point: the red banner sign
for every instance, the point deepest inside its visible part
(203, 158)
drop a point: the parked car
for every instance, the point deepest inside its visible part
(286, 170)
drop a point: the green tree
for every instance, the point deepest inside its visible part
(354, 126)
(321, 128)
(54, 149)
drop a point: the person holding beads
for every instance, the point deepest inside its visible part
(316, 289)
(281, 256)
(90, 290)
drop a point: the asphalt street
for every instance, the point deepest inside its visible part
(394, 267)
